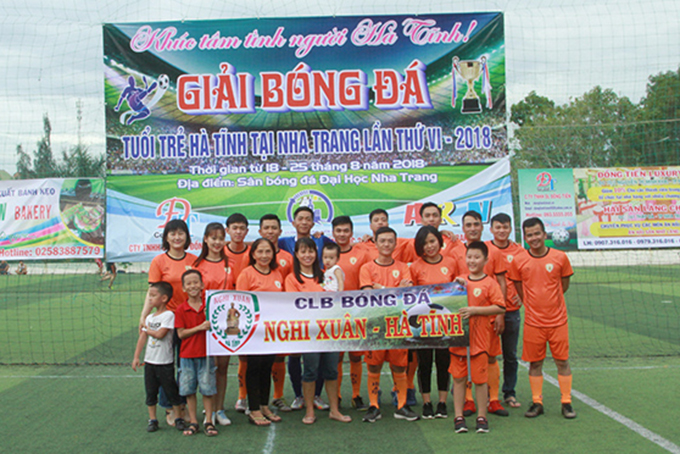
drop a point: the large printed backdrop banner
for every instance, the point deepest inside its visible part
(604, 208)
(272, 322)
(52, 219)
(340, 114)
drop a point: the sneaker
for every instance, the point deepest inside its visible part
(281, 404)
(568, 411)
(460, 425)
(373, 414)
(496, 408)
(395, 399)
(221, 417)
(534, 410)
(153, 425)
(469, 408)
(359, 404)
(406, 413)
(298, 404)
(441, 411)
(428, 411)
(320, 404)
(411, 397)
(241, 405)
(482, 425)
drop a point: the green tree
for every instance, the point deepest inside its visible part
(661, 119)
(75, 162)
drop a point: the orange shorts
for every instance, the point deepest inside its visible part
(398, 357)
(535, 340)
(495, 344)
(479, 367)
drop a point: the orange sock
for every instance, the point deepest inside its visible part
(355, 375)
(339, 379)
(373, 388)
(494, 380)
(411, 372)
(242, 368)
(536, 384)
(279, 377)
(565, 387)
(401, 381)
(468, 392)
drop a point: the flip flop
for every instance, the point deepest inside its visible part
(342, 418)
(512, 402)
(272, 417)
(309, 420)
(258, 420)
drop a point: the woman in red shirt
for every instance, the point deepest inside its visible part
(308, 277)
(261, 276)
(217, 274)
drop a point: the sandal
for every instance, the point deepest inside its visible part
(180, 424)
(209, 430)
(272, 417)
(192, 429)
(309, 420)
(512, 402)
(258, 420)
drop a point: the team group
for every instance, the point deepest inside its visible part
(500, 277)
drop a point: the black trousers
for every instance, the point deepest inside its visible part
(258, 380)
(442, 359)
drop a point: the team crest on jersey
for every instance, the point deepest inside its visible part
(283, 262)
(233, 318)
(353, 260)
(549, 267)
(444, 270)
(277, 284)
(187, 267)
(477, 291)
(395, 273)
(510, 257)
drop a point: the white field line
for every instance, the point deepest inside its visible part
(618, 417)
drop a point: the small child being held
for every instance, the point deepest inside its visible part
(485, 299)
(334, 277)
(197, 370)
(159, 368)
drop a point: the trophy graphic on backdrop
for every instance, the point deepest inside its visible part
(470, 70)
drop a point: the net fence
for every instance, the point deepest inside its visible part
(589, 83)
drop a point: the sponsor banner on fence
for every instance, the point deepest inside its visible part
(339, 114)
(605, 208)
(52, 219)
(272, 322)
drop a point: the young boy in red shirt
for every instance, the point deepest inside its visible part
(484, 299)
(197, 370)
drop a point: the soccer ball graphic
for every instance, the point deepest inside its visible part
(423, 309)
(560, 237)
(163, 81)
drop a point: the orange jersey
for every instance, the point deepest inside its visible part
(308, 284)
(165, 268)
(425, 273)
(252, 280)
(389, 276)
(351, 262)
(239, 260)
(507, 255)
(541, 279)
(453, 248)
(285, 261)
(480, 293)
(216, 275)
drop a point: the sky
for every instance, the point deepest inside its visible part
(51, 51)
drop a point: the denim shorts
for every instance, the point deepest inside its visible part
(197, 373)
(324, 365)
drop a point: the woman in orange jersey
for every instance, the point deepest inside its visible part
(308, 277)
(213, 264)
(169, 267)
(261, 275)
(432, 268)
